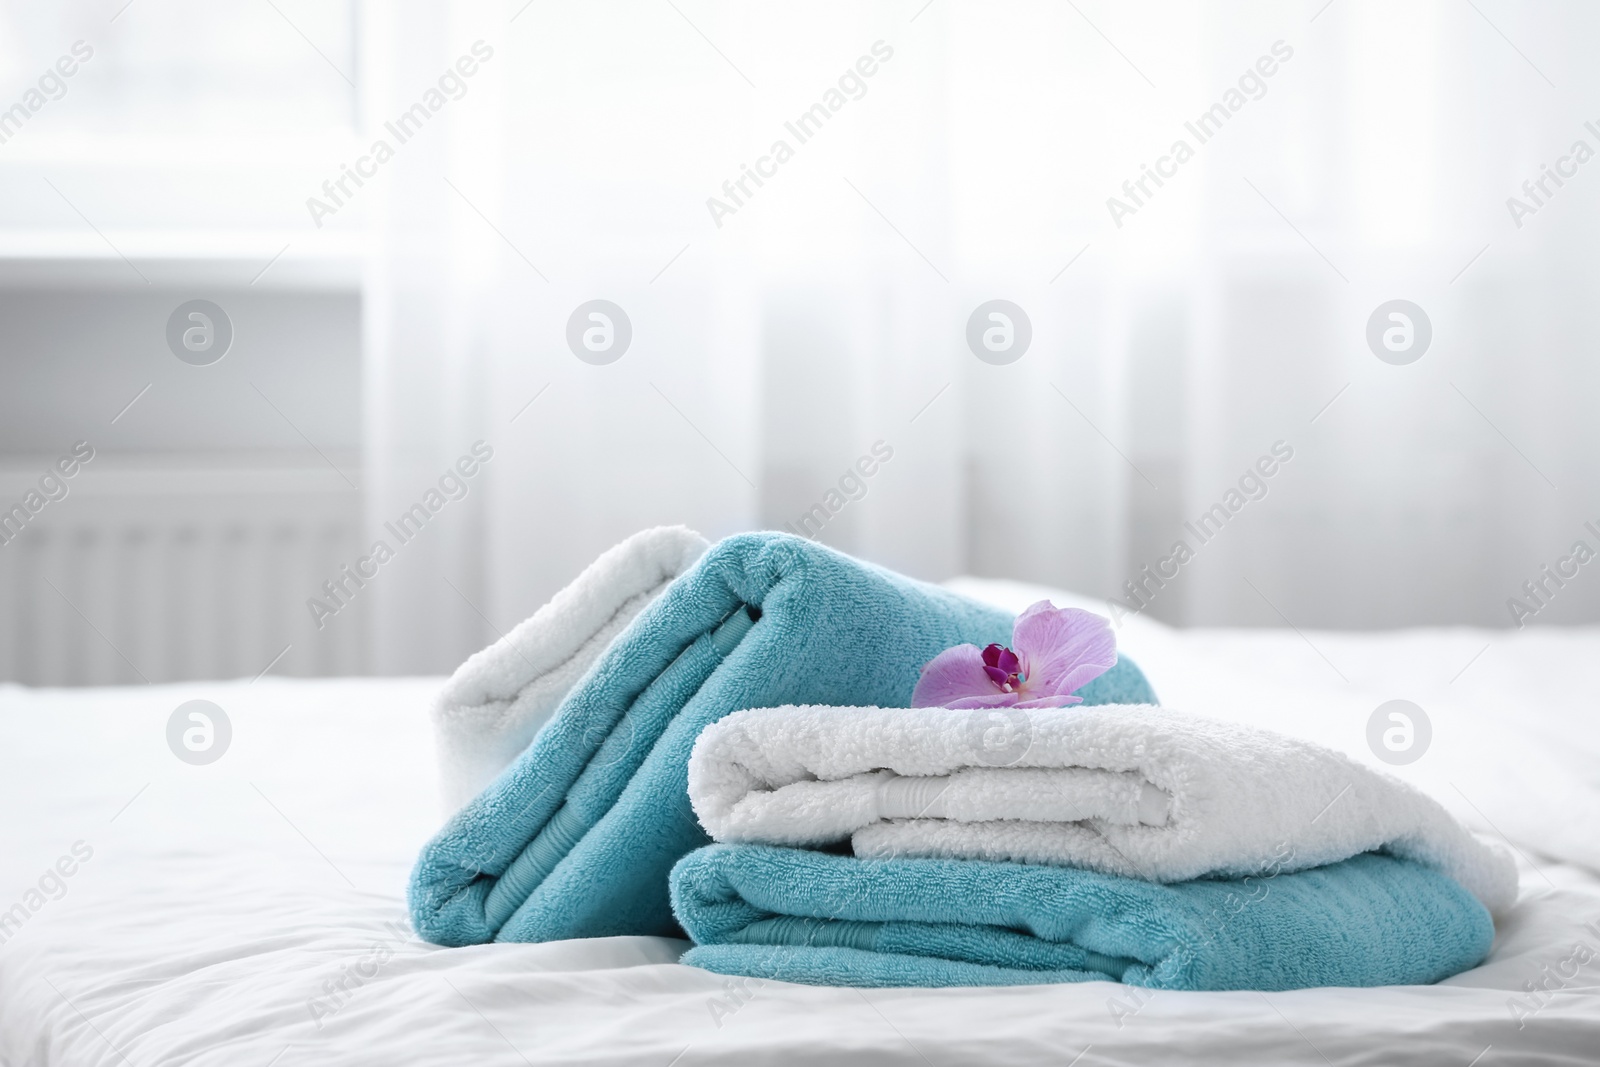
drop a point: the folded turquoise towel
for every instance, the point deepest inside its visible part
(825, 919)
(577, 837)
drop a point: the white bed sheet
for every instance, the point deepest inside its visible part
(219, 901)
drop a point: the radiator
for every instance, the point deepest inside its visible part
(170, 569)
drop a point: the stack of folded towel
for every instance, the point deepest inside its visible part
(755, 694)
(575, 838)
(1131, 843)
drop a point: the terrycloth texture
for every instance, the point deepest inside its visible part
(497, 700)
(577, 837)
(1142, 792)
(821, 919)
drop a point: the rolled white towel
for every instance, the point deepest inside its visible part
(1132, 790)
(496, 701)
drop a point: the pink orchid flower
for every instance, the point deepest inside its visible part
(1057, 651)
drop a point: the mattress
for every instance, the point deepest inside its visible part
(250, 910)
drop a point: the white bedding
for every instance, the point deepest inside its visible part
(221, 899)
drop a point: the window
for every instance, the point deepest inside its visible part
(183, 69)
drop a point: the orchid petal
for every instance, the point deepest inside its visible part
(1002, 659)
(1049, 702)
(953, 674)
(996, 700)
(1063, 649)
(997, 676)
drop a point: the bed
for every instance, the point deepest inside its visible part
(251, 911)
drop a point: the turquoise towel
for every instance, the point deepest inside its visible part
(577, 837)
(826, 919)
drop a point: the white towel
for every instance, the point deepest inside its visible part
(496, 701)
(1132, 790)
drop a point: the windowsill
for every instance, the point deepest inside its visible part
(260, 259)
(76, 210)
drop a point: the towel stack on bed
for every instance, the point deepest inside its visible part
(575, 838)
(992, 845)
(1130, 843)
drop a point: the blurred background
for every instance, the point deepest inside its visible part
(398, 214)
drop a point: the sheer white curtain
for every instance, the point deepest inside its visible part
(828, 310)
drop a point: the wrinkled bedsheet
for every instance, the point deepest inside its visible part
(251, 911)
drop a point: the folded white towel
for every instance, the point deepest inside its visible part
(496, 701)
(1132, 790)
